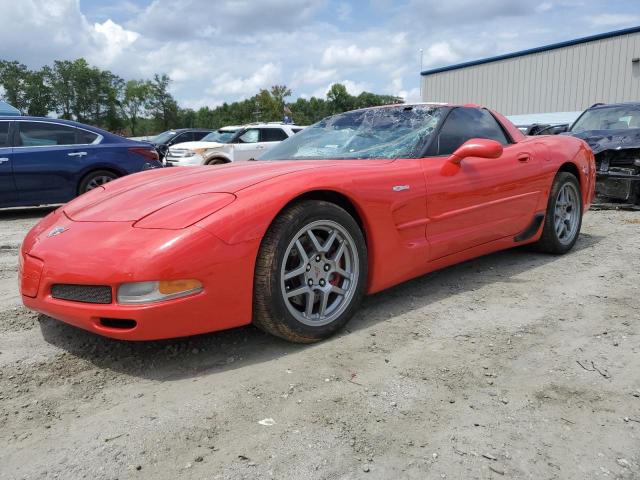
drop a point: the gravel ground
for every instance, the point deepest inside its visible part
(515, 365)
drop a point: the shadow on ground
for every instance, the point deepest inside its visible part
(24, 213)
(211, 353)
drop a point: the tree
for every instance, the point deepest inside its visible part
(38, 93)
(12, 78)
(136, 95)
(160, 104)
(339, 99)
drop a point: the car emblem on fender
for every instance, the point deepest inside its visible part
(56, 231)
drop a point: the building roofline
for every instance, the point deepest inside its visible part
(530, 51)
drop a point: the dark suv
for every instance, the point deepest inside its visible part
(164, 140)
(613, 133)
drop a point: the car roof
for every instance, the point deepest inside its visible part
(609, 105)
(46, 119)
(181, 130)
(61, 121)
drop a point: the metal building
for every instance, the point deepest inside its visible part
(563, 77)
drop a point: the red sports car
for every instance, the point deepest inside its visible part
(352, 205)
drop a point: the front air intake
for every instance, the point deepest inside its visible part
(118, 323)
(82, 293)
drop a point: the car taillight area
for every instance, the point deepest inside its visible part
(149, 153)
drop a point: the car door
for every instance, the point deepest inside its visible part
(48, 159)
(247, 144)
(8, 192)
(482, 199)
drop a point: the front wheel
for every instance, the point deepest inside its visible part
(563, 218)
(311, 272)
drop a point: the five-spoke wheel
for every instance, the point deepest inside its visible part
(563, 218)
(310, 272)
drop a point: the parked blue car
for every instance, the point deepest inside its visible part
(47, 161)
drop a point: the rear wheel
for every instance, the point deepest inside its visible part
(564, 215)
(310, 273)
(95, 179)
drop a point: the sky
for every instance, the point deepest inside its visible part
(217, 51)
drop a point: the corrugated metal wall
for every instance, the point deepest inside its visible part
(567, 79)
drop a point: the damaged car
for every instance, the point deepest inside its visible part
(613, 133)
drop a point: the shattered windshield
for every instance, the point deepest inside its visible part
(219, 136)
(609, 118)
(387, 132)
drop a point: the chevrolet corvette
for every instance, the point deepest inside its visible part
(352, 205)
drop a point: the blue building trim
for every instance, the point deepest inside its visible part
(522, 53)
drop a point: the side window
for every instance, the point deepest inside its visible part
(250, 136)
(272, 135)
(183, 137)
(197, 136)
(463, 124)
(4, 135)
(296, 130)
(85, 137)
(41, 134)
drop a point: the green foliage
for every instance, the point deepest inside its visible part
(77, 91)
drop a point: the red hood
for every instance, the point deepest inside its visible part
(136, 196)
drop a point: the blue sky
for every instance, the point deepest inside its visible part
(218, 51)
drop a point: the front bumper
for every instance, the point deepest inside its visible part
(620, 184)
(112, 253)
(194, 160)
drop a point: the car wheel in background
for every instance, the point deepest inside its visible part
(563, 218)
(310, 273)
(216, 161)
(95, 179)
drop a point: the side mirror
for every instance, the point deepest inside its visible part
(476, 147)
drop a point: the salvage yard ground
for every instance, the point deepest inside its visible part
(515, 365)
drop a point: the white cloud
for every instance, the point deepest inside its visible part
(440, 53)
(352, 55)
(613, 20)
(263, 77)
(340, 55)
(313, 76)
(114, 40)
(228, 50)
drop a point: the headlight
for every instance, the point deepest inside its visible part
(157, 291)
(181, 153)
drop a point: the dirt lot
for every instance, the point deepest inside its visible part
(516, 365)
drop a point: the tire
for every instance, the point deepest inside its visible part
(559, 236)
(331, 278)
(216, 161)
(95, 179)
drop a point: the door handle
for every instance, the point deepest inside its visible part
(260, 147)
(77, 154)
(524, 157)
(4, 160)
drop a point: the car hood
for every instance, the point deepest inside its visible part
(196, 145)
(601, 140)
(135, 196)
